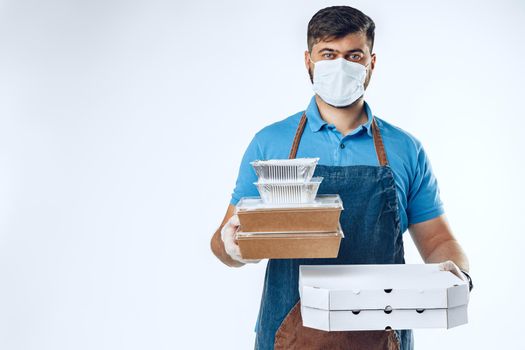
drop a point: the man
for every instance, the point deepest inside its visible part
(381, 172)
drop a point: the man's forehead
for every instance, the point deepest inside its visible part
(350, 42)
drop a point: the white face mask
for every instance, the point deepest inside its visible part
(339, 82)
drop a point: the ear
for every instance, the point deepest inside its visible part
(373, 62)
(307, 59)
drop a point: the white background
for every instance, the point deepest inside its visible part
(122, 127)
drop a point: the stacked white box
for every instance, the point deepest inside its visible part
(376, 297)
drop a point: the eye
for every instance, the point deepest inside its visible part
(354, 57)
(328, 55)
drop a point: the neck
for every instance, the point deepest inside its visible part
(345, 119)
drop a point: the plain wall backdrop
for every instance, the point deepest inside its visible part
(123, 124)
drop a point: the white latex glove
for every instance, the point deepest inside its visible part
(450, 266)
(228, 232)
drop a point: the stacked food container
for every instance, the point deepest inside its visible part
(289, 219)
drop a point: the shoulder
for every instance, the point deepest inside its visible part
(399, 138)
(280, 127)
(404, 150)
(274, 140)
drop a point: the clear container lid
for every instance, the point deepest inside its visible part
(291, 234)
(286, 162)
(285, 170)
(322, 201)
(316, 180)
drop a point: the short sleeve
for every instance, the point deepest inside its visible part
(246, 177)
(424, 202)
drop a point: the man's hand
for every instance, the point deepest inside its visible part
(450, 266)
(230, 244)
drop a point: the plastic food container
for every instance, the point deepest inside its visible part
(290, 245)
(285, 170)
(289, 192)
(321, 215)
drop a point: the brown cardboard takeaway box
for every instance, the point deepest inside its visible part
(322, 215)
(289, 245)
(289, 231)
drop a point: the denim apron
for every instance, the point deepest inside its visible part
(371, 224)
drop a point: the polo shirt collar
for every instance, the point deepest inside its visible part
(316, 122)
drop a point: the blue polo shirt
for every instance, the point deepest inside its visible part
(416, 186)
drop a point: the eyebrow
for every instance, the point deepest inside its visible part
(333, 50)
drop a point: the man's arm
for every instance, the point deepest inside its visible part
(436, 243)
(217, 245)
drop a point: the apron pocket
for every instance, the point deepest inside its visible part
(292, 335)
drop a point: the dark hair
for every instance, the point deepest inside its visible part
(335, 22)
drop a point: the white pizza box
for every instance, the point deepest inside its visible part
(400, 286)
(380, 320)
(375, 297)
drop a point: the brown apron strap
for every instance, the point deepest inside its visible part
(378, 143)
(297, 138)
(378, 140)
